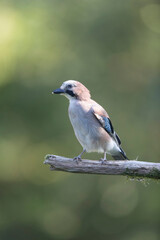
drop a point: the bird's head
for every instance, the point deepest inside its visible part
(73, 90)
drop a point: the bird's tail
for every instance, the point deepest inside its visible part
(120, 156)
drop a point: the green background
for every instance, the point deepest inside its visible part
(113, 48)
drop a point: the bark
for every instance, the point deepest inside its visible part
(131, 168)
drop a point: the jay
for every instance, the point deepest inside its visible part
(91, 123)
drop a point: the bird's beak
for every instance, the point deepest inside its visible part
(58, 91)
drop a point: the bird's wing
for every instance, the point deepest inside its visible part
(103, 118)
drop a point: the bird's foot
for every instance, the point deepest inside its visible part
(77, 159)
(103, 161)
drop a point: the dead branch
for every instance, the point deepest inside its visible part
(131, 168)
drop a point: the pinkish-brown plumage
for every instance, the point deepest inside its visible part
(90, 121)
(82, 92)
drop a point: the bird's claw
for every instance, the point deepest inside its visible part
(77, 159)
(103, 161)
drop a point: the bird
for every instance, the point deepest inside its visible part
(91, 123)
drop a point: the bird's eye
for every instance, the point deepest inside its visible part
(69, 86)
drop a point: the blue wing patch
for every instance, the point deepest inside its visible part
(105, 122)
(108, 125)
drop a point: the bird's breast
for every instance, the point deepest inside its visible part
(86, 127)
(78, 119)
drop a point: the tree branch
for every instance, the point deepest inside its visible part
(131, 168)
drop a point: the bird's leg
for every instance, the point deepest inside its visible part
(78, 158)
(104, 160)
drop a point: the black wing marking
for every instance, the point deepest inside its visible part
(107, 125)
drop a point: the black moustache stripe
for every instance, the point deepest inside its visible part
(70, 93)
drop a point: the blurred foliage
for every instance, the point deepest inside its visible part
(113, 47)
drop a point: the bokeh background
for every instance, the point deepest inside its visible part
(112, 47)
